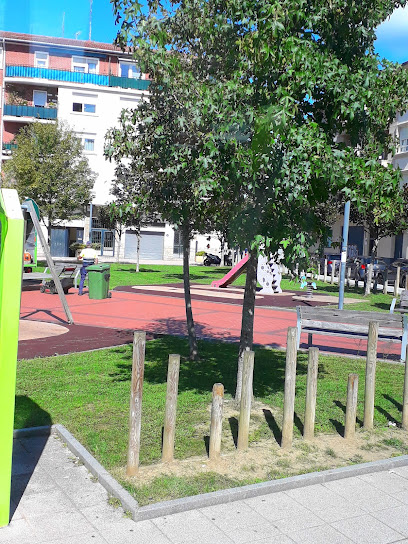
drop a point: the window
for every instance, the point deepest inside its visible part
(85, 65)
(403, 139)
(40, 98)
(89, 144)
(86, 108)
(129, 69)
(89, 108)
(40, 59)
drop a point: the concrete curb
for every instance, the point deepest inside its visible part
(109, 483)
(208, 499)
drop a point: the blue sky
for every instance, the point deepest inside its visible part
(46, 16)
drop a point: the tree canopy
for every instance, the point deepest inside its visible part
(49, 166)
(277, 108)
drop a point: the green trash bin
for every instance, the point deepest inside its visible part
(98, 281)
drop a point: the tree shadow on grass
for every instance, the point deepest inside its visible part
(218, 363)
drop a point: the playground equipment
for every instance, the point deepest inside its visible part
(32, 214)
(233, 274)
(11, 250)
(268, 275)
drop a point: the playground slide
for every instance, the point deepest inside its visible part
(233, 274)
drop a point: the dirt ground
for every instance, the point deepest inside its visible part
(265, 460)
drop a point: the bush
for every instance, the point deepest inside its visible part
(200, 253)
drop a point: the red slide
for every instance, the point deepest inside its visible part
(233, 274)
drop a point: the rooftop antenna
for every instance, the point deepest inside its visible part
(90, 20)
(63, 23)
(77, 34)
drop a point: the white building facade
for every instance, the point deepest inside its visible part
(87, 85)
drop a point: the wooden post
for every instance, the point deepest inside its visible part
(369, 393)
(311, 389)
(397, 281)
(406, 281)
(405, 397)
(216, 421)
(318, 271)
(246, 399)
(135, 416)
(332, 273)
(351, 408)
(325, 271)
(290, 383)
(348, 276)
(171, 408)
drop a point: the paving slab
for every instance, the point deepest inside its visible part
(57, 501)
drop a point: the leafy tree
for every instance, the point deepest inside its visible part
(130, 207)
(161, 141)
(382, 211)
(48, 166)
(268, 88)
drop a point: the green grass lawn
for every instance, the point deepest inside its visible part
(89, 394)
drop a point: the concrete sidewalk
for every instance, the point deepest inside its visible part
(56, 501)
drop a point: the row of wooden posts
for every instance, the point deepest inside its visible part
(135, 418)
(139, 344)
(326, 278)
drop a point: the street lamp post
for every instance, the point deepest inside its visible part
(344, 243)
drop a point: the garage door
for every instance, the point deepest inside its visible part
(151, 245)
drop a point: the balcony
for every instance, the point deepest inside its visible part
(30, 111)
(30, 72)
(8, 148)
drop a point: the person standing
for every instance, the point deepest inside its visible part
(88, 256)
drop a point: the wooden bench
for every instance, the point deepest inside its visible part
(403, 305)
(351, 324)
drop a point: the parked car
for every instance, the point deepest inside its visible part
(360, 267)
(391, 272)
(332, 260)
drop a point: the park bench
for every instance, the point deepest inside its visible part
(351, 324)
(403, 304)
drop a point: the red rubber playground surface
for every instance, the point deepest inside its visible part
(109, 322)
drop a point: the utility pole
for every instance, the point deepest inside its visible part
(344, 253)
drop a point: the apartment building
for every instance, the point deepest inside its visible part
(86, 84)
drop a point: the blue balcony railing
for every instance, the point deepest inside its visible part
(9, 147)
(30, 111)
(76, 77)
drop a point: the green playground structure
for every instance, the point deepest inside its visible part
(11, 264)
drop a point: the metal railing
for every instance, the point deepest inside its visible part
(30, 111)
(32, 72)
(9, 147)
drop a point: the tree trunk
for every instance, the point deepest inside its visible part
(119, 246)
(138, 251)
(222, 250)
(247, 325)
(49, 227)
(192, 339)
(369, 271)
